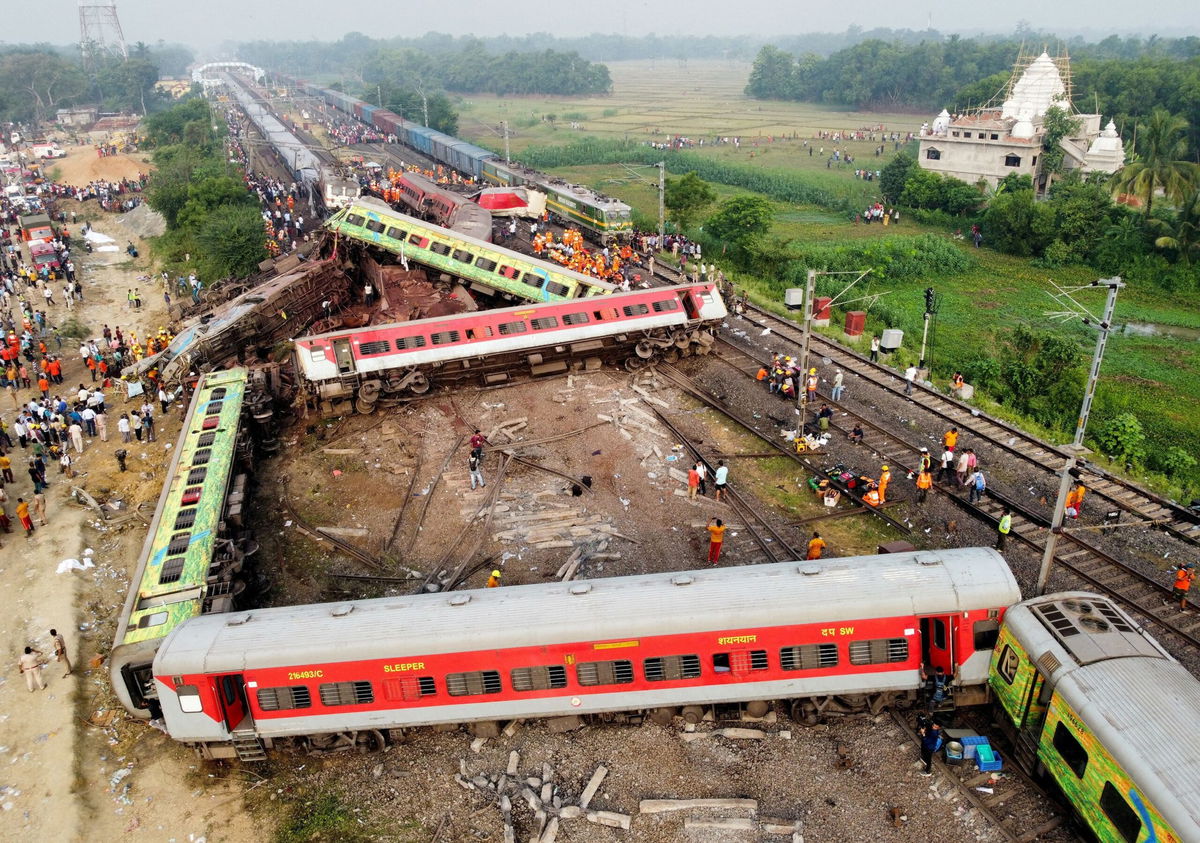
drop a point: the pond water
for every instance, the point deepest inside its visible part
(1154, 329)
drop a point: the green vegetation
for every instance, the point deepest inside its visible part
(37, 80)
(326, 818)
(684, 199)
(211, 216)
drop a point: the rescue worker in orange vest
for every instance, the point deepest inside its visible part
(810, 386)
(815, 546)
(494, 580)
(924, 484)
(871, 498)
(1074, 502)
(885, 477)
(1184, 575)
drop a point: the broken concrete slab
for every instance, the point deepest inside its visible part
(610, 818)
(593, 785)
(659, 806)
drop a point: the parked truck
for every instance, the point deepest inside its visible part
(48, 150)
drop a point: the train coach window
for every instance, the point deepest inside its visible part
(405, 343)
(396, 233)
(409, 688)
(635, 309)
(214, 408)
(374, 347)
(375, 225)
(439, 248)
(808, 657)
(346, 693)
(185, 518)
(355, 219)
(316, 354)
(606, 313)
(485, 264)
(879, 651)
(541, 678)
(544, 322)
(202, 456)
(666, 306)
(172, 570)
(1070, 749)
(206, 439)
(480, 333)
(1124, 819)
(281, 699)
(462, 256)
(196, 476)
(473, 683)
(189, 699)
(179, 544)
(1008, 664)
(744, 661)
(418, 241)
(508, 328)
(445, 337)
(619, 672)
(556, 289)
(666, 668)
(985, 634)
(509, 272)
(575, 319)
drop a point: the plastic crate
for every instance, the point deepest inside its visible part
(971, 743)
(987, 760)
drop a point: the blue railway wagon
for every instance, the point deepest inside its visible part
(421, 138)
(368, 114)
(468, 158)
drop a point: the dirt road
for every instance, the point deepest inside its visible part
(64, 777)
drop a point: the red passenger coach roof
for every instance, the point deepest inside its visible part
(900, 585)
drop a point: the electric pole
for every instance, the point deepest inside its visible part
(1076, 449)
(810, 291)
(932, 302)
(507, 160)
(662, 201)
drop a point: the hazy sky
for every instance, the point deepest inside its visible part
(209, 22)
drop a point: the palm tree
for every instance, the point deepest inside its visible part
(1162, 145)
(1183, 235)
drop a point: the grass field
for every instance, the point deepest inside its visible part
(1157, 376)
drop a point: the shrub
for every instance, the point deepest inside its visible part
(1122, 437)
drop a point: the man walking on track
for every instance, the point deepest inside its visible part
(30, 665)
(1003, 528)
(716, 535)
(721, 478)
(1184, 575)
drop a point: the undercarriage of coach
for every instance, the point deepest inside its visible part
(393, 386)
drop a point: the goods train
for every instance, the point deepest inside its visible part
(190, 563)
(601, 217)
(445, 207)
(335, 190)
(490, 346)
(835, 635)
(491, 269)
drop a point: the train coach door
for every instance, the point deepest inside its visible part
(231, 691)
(344, 357)
(937, 643)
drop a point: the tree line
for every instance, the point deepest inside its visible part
(37, 80)
(1122, 78)
(460, 65)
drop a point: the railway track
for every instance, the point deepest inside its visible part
(1082, 558)
(1172, 518)
(1011, 802)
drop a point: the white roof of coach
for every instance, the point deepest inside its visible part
(1140, 702)
(927, 582)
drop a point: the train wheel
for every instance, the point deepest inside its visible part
(364, 407)
(419, 385)
(671, 355)
(370, 740)
(681, 340)
(693, 713)
(634, 364)
(644, 350)
(662, 716)
(805, 713)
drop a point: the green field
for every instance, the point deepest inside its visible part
(1158, 377)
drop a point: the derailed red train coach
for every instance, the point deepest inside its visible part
(830, 636)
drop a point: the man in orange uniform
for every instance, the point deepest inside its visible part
(1184, 575)
(950, 438)
(924, 484)
(885, 477)
(716, 536)
(815, 546)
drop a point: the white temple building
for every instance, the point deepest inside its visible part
(992, 141)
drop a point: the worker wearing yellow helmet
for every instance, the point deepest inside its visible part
(885, 477)
(494, 579)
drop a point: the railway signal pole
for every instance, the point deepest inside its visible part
(1076, 449)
